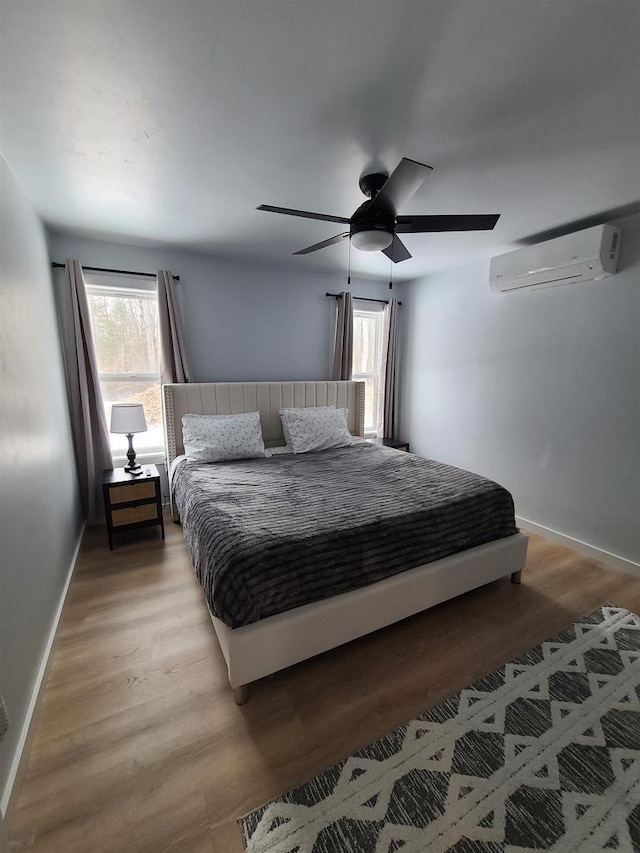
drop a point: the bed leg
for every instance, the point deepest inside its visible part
(516, 577)
(241, 694)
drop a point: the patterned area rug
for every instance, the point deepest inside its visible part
(542, 754)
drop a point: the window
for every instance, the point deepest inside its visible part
(368, 323)
(124, 318)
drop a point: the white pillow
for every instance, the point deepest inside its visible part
(315, 428)
(219, 438)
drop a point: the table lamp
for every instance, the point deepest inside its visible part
(128, 419)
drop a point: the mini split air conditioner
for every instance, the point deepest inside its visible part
(582, 256)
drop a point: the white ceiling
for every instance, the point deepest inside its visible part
(170, 121)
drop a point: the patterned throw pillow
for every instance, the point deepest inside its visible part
(315, 428)
(220, 438)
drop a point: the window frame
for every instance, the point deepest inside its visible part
(120, 286)
(364, 309)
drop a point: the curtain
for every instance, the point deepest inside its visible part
(88, 420)
(342, 361)
(174, 360)
(390, 418)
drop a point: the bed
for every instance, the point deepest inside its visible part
(261, 634)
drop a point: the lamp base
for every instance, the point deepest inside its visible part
(132, 468)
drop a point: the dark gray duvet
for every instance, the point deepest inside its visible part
(267, 535)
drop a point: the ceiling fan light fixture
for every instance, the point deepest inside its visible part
(372, 240)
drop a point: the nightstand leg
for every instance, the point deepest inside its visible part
(110, 539)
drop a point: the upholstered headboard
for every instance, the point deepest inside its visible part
(227, 398)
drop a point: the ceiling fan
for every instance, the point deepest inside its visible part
(375, 225)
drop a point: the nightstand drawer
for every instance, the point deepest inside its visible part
(133, 492)
(134, 514)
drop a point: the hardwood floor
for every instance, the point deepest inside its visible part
(138, 744)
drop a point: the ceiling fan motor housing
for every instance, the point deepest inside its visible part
(373, 229)
(370, 185)
(376, 223)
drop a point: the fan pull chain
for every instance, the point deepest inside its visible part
(349, 265)
(390, 274)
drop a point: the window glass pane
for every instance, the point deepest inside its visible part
(126, 333)
(147, 393)
(365, 334)
(369, 404)
(367, 355)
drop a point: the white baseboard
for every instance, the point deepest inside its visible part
(585, 548)
(19, 755)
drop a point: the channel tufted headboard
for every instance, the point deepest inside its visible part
(226, 398)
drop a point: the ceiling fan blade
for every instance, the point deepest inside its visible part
(397, 251)
(472, 222)
(322, 245)
(325, 217)
(407, 177)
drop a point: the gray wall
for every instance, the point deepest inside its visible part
(243, 320)
(40, 516)
(540, 391)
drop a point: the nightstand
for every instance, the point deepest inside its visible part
(132, 502)
(391, 442)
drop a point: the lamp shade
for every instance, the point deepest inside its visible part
(371, 240)
(128, 418)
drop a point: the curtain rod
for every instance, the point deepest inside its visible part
(56, 265)
(360, 298)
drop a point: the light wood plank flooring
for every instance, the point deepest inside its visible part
(138, 744)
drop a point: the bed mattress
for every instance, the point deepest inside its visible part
(267, 535)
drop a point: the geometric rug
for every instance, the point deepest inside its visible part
(542, 754)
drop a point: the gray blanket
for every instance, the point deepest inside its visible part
(268, 535)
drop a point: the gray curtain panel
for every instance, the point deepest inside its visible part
(342, 361)
(390, 361)
(88, 420)
(175, 367)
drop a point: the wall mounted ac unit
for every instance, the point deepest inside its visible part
(582, 256)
